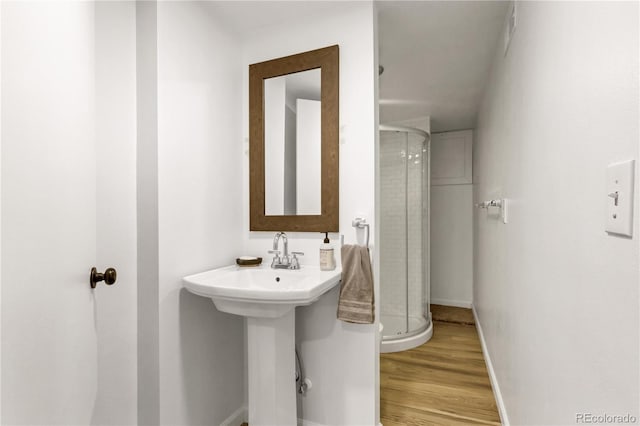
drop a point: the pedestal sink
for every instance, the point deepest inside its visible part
(267, 297)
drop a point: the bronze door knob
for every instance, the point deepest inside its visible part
(109, 276)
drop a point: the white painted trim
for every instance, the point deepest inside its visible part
(504, 418)
(456, 303)
(237, 417)
(0, 208)
(376, 213)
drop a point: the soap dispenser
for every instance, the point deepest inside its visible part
(327, 256)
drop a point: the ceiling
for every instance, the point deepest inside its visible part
(437, 57)
(436, 54)
(245, 17)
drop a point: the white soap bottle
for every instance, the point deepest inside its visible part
(327, 256)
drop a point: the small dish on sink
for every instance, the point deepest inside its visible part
(248, 261)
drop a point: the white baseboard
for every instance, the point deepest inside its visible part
(241, 415)
(504, 419)
(237, 418)
(303, 422)
(456, 303)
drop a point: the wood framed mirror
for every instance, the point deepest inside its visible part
(293, 142)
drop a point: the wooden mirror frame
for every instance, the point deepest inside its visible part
(327, 59)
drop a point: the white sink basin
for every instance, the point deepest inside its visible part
(262, 292)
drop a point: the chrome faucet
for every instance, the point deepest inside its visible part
(279, 262)
(285, 261)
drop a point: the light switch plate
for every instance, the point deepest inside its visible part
(619, 198)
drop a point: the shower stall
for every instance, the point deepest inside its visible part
(404, 237)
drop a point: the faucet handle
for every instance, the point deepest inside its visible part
(276, 258)
(294, 260)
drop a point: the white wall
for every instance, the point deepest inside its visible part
(452, 245)
(557, 298)
(200, 198)
(340, 358)
(451, 219)
(191, 370)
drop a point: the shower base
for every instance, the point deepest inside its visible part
(394, 335)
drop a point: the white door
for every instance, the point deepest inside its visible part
(68, 204)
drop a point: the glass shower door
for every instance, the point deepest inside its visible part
(393, 232)
(404, 237)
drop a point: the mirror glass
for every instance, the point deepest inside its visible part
(294, 179)
(292, 143)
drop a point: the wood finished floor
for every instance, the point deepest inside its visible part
(443, 382)
(452, 314)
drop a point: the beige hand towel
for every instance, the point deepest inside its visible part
(356, 291)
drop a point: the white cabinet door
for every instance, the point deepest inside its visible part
(68, 204)
(451, 158)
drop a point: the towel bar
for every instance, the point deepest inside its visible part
(360, 223)
(500, 204)
(489, 203)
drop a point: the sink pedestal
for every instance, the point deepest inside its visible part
(271, 364)
(267, 298)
